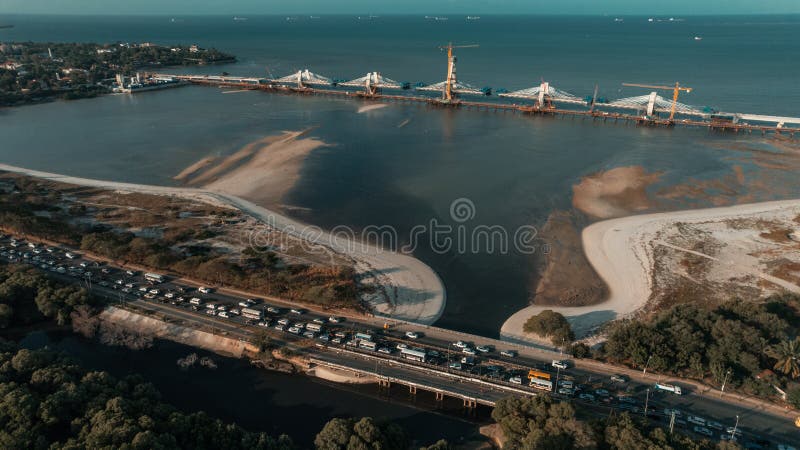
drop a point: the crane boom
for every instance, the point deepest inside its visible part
(675, 92)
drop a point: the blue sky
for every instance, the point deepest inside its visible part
(643, 7)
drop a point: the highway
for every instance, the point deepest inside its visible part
(487, 379)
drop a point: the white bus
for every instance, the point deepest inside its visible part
(368, 345)
(251, 313)
(544, 385)
(154, 277)
(315, 327)
(363, 336)
(669, 388)
(413, 355)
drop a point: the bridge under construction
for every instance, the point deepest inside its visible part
(544, 99)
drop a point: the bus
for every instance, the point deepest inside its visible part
(543, 385)
(154, 277)
(537, 374)
(669, 388)
(251, 313)
(315, 327)
(368, 345)
(363, 336)
(413, 355)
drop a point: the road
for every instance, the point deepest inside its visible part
(756, 420)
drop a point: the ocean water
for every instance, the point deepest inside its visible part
(404, 165)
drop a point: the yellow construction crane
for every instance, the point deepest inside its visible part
(675, 91)
(451, 68)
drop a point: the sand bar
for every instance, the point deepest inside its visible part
(621, 251)
(413, 291)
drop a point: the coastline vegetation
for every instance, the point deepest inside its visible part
(31, 207)
(748, 345)
(36, 71)
(550, 324)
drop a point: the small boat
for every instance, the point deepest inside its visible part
(473, 17)
(240, 19)
(698, 38)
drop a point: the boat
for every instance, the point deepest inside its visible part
(618, 19)
(698, 38)
(6, 26)
(473, 17)
(240, 19)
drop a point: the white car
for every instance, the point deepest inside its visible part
(459, 344)
(483, 348)
(412, 334)
(559, 364)
(509, 353)
(223, 314)
(244, 304)
(468, 351)
(169, 295)
(401, 346)
(297, 311)
(204, 290)
(515, 380)
(334, 319)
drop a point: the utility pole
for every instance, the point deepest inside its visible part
(558, 373)
(672, 422)
(646, 402)
(644, 372)
(733, 433)
(725, 380)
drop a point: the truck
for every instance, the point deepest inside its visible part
(363, 336)
(669, 388)
(195, 301)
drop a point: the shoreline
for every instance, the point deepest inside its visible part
(413, 292)
(621, 251)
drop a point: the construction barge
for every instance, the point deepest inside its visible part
(544, 99)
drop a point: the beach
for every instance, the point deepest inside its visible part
(409, 289)
(622, 252)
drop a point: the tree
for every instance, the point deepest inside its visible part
(549, 323)
(787, 356)
(6, 314)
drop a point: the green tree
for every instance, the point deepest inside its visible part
(549, 323)
(787, 357)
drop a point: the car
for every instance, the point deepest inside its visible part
(566, 384)
(223, 314)
(119, 281)
(169, 295)
(626, 399)
(238, 312)
(696, 420)
(309, 334)
(324, 337)
(319, 321)
(244, 304)
(483, 348)
(149, 296)
(509, 353)
(602, 392)
(401, 346)
(566, 391)
(297, 311)
(455, 365)
(468, 360)
(459, 344)
(785, 447)
(703, 430)
(211, 312)
(143, 289)
(587, 397)
(294, 330)
(204, 290)
(515, 380)
(279, 327)
(336, 340)
(733, 430)
(129, 285)
(559, 364)
(263, 324)
(334, 319)
(222, 308)
(617, 378)
(283, 321)
(384, 350)
(154, 291)
(468, 351)
(125, 290)
(412, 335)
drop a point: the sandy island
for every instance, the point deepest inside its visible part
(411, 290)
(622, 252)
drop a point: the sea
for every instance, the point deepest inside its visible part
(406, 164)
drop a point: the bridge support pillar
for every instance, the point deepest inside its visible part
(440, 396)
(412, 390)
(470, 403)
(384, 383)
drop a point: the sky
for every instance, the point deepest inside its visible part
(618, 7)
